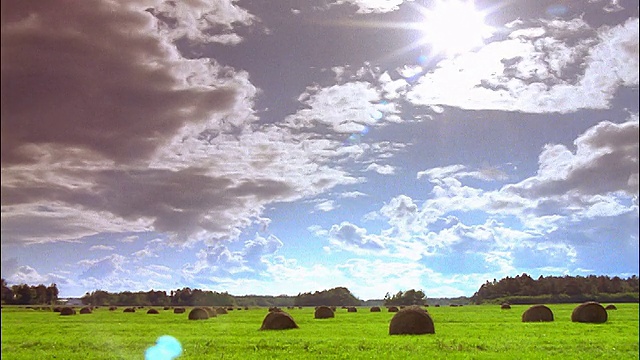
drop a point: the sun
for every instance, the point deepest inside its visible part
(453, 27)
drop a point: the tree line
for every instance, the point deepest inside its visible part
(28, 295)
(554, 289)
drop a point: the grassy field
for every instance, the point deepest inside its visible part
(468, 332)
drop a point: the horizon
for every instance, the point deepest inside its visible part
(259, 147)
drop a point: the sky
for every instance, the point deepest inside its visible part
(280, 147)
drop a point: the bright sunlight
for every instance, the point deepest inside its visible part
(454, 27)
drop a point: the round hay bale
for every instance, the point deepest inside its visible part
(166, 308)
(375, 309)
(246, 308)
(153, 311)
(113, 308)
(57, 309)
(412, 320)
(129, 310)
(274, 309)
(589, 312)
(221, 311)
(198, 314)
(179, 310)
(537, 313)
(505, 306)
(611, 307)
(352, 309)
(278, 320)
(323, 312)
(67, 311)
(211, 311)
(437, 305)
(392, 309)
(85, 310)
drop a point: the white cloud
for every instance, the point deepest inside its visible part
(381, 169)
(529, 73)
(348, 108)
(373, 6)
(101, 247)
(605, 161)
(325, 206)
(196, 20)
(353, 238)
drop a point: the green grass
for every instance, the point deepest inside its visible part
(468, 332)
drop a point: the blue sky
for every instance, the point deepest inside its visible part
(283, 147)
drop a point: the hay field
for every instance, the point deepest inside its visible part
(468, 332)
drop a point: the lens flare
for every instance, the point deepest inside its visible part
(166, 348)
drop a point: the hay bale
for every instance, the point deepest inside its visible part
(278, 320)
(412, 320)
(198, 314)
(211, 311)
(505, 306)
(85, 310)
(352, 309)
(67, 311)
(437, 305)
(323, 312)
(589, 312)
(221, 311)
(153, 311)
(57, 309)
(130, 310)
(179, 310)
(537, 313)
(113, 308)
(166, 308)
(611, 307)
(274, 309)
(392, 309)
(375, 309)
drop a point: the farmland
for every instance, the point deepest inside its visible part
(468, 332)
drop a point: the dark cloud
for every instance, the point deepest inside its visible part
(93, 76)
(605, 161)
(181, 202)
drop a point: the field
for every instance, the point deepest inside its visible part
(468, 332)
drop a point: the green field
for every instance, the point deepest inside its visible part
(468, 332)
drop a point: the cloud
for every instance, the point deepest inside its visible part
(101, 247)
(218, 260)
(348, 108)
(605, 161)
(538, 70)
(349, 236)
(373, 6)
(27, 275)
(202, 21)
(137, 137)
(351, 194)
(325, 206)
(457, 171)
(107, 72)
(105, 267)
(381, 169)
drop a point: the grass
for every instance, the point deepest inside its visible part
(468, 332)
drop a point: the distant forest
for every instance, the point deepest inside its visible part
(521, 289)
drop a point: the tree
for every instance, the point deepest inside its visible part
(7, 293)
(409, 297)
